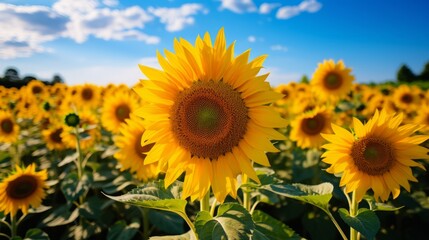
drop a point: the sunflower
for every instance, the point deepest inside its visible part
(117, 107)
(208, 113)
(332, 80)
(86, 96)
(9, 129)
(307, 127)
(131, 154)
(52, 137)
(378, 156)
(23, 188)
(423, 118)
(406, 98)
(36, 88)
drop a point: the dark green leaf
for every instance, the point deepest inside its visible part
(231, 222)
(167, 222)
(120, 230)
(36, 234)
(68, 159)
(376, 206)
(317, 195)
(366, 221)
(60, 216)
(185, 236)
(267, 227)
(73, 188)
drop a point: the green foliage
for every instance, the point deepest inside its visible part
(366, 221)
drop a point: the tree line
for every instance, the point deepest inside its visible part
(405, 75)
(11, 78)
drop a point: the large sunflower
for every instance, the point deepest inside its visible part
(131, 153)
(307, 127)
(208, 113)
(332, 80)
(9, 129)
(379, 155)
(23, 188)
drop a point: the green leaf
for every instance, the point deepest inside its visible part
(72, 188)
(167, 222)
(154, 195)
(376, 206)
(366, 221)
(185, 236)
(317, 195)
(68, 159)
(36, 234)
(60, 216)
(267, 227)
(120, 230)
(231, 222)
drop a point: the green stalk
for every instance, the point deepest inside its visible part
(353, 212)
(14, 226)
(343, 235)
(205, 202)
(246, 193)
(146, 231)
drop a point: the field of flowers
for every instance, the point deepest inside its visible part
(205, 148)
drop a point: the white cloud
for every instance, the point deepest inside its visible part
(251, 39)
(266, 8)
(238, 6)
(287, 12)
(110, 3)
(279, 47)
(176, 19)
(24, 29)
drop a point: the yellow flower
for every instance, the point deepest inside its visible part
(117, 108)
(332, 80)
(406, 98)
(52, 136)
(307, 127)
(207, 111)
(378, 156)
(131, 154)
(23, 188)
(9, 129)
(86, 96)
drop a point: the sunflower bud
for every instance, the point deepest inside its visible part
(72, 119)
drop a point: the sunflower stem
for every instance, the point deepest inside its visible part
(213, 207)
(146, 230)
(14, 226)
(246, 193)
(16, 156)
(353, 212)
(205, 202)
(343, 235)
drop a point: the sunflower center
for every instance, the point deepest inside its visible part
(87, 94)
(37, 89)
(22, 187)
(372, 155)
(209, 119)
(6, 125)
(55, 136)
(407, 98)
(122, 112)
(142, 150)
(333, 81)
(314, 125)
(285, 93)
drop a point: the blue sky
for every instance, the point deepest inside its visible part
(103, 41)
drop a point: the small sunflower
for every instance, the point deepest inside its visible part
(208, 113)
(332, 80)
(37, 89)
(117, 108)
(52, 137)
(378, 156)
(22, 189)
(9, 129)
(86, 96)
(307, 127)
(131, 154)
(406, 98)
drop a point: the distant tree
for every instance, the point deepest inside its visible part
(11, 74)
(57, 79)
(405, 74)
(424, 75)
(27, 79)
(304, 79)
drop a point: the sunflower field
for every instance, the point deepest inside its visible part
(204, 148)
